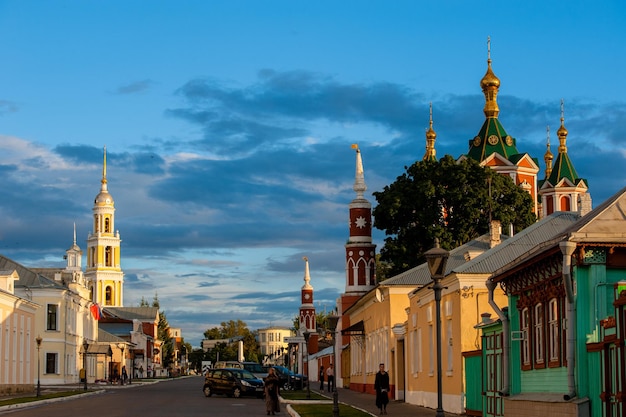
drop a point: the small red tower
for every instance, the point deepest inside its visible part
(307, 310)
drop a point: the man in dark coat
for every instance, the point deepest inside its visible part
(381, 385)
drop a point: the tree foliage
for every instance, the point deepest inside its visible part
(446, 199)
(231, 331)
(167, 346)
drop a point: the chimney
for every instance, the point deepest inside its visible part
(495, 231)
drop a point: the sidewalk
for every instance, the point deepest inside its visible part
(395, 408)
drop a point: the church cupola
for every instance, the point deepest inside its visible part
(494, 147)
(431, 153)
(73, 256)
(103, 270)
(563, 189)
(490, 84)
(548, 157)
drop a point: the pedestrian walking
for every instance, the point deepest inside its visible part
(322, 378)
(272, 389)
(381, 385)
(330, 375)
(124, 375)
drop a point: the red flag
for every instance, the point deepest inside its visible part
(95, 311)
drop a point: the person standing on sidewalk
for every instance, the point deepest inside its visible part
(381, 385)
(321, 378)
(330, 374)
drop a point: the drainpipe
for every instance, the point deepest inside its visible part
(491, 286)
(567, 249)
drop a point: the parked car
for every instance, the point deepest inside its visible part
(228, 364)
(290, 380)
(233, 382)
(257, 369)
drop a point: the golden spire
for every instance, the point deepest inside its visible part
(104, 167)
(548, 157)
(562, 132)
(490, 85)
(431, 153)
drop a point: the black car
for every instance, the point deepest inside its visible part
(290, 380)
(232, 382)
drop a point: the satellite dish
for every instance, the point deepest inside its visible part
(379, 296)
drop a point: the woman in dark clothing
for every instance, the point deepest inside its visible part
(381, 385)
(321, 378)
(272, 387)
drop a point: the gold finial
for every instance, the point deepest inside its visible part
(548, 157)
(562, 132)
(431, 153)
(490, 84)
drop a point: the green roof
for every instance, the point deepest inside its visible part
(563, 168)
(492, 138)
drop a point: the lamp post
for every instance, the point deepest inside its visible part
(38, 340)
(307, 335)
(85, 347)
(437, 259)
(332, 322)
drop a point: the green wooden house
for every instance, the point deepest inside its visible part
(566, 324)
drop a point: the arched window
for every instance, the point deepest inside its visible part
(554, 341)
(549, 205)
(107, 225)
(525, 328)
(108, 294)
(108, 256)
(565, 204)
(538, 335)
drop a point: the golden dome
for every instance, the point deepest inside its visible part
(104, 198)
(489, 79)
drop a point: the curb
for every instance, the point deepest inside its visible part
(294, 413)
(36, 403)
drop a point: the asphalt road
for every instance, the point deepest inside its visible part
(181, 397)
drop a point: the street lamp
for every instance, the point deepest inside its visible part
(306, 335)
(332, 322)
(85, 347)
(437, 259)
(38, 340)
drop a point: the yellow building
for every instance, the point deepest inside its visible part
(63, 320)
(17, 330)
(464, 299)
(385, 326)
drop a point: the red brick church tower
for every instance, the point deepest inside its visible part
(360, 251)
(307, 311)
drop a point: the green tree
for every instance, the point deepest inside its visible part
(232, 331)
(167, 346)
(195, 357)
(446, 199)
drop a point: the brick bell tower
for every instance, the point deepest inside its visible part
(360, 251)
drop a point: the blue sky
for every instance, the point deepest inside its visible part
(228, 127)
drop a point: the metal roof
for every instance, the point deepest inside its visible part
(420, 275)
(132, 313)
(526, 241)
(28, 278)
